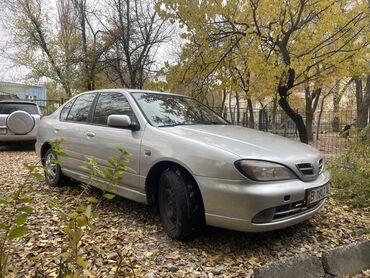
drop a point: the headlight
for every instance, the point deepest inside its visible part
(263, 170)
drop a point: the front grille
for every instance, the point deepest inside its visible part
(293, 209)
(306, 169)
(284, 211)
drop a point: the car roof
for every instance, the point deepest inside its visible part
(18, 101)
(130, 91)
(153, 92)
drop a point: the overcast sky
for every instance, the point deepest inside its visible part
(13, 73)
(8, 70)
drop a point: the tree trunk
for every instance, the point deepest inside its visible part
(92, 74)
(367, 99)
(311, 105)
(223, 102)
(359, 101)
(336, 102)
(283, 90)
(237, 97)
(319, 118)
(230, 109)
(309, 114)
(246, 116)
(297, 119)
(213, 100)
(362, 101)
(274, 110)
(285, 121)
(251, 115)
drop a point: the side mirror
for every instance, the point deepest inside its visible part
(122, 121)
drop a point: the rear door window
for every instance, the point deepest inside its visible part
(8, 108)
(112, 104)
(80, 109)
(65, 111)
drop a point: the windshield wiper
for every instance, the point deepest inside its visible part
(169, 125)
(197, 123)
(211, 123)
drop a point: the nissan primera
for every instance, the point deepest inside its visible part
(186, 159)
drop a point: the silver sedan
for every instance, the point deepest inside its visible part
(186, 159)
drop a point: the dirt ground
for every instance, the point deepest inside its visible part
(134, 231)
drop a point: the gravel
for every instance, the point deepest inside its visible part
(133, 231)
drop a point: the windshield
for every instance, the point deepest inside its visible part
(9, 107)
(170, 110)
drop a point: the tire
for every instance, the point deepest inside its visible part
(20, 122)
(52, 171)
(180, 205)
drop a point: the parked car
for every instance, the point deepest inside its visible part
(19, 121)
(188, 160)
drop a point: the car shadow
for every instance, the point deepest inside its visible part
(17, 147)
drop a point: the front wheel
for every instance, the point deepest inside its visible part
(180, 205)
(52, 170)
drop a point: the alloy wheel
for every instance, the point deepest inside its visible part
(51, 166)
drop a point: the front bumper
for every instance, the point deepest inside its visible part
(234, 204)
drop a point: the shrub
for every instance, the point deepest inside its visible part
(18, 206)
(351, 172)
(78, 221)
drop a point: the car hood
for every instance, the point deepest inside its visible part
(248, 143)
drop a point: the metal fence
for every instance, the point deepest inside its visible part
(330, 129)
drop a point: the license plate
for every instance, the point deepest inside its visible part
(317, 194)
(2, 130)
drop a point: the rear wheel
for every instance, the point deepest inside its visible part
(180, 204)
(52, 171)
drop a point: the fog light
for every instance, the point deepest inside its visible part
(264, 216)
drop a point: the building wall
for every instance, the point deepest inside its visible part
(23, 91)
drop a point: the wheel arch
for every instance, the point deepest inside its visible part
(44, 148)
(152, 179)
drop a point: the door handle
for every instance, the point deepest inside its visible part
(57, 129)
(90, 134)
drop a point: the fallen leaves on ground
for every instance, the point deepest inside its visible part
(133, 231)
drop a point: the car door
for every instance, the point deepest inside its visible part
(102, 141)
(72, 128)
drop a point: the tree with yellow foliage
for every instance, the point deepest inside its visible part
(286, 44)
